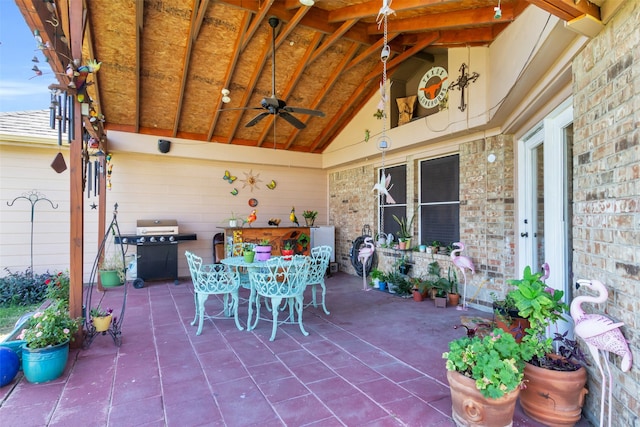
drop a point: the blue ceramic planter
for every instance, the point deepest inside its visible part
(44, 364)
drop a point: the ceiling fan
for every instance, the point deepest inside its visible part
(273, 105)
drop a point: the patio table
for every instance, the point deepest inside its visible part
(241, 268)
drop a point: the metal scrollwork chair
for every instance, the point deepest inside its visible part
(320, 257)
(212, 279)
(278, 280)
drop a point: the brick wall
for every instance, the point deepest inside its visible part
(486, 215)
(606, 228)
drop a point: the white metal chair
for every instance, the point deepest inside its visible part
(278, 280)
(320, 258)
(212, 279)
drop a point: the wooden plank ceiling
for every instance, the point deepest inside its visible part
(165, 62)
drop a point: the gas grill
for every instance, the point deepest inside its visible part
(156, 242)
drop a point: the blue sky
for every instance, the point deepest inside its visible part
(18, 91)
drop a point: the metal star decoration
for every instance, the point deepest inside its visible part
(251, 180)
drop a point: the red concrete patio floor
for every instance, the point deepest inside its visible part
(374, 361)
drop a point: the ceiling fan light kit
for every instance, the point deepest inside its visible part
(308, 3)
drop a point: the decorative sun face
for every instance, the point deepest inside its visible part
(251, 180)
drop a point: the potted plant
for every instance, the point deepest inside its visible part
(453, 295)
(419, 288)
(46, 348)
(555, 383)
(248, 253)
(234, 220)
(404, 234)
(101, 318)
(402, 264)
(263, 250)
(112, 269)
(485, 375)
(435, 246)
(377, 276)
(310, 217)
(287, 249)
(506, 317)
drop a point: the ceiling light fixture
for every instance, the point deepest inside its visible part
(307, 3)
(225, 96)
(498, 11)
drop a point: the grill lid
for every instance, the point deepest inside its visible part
(154, 227)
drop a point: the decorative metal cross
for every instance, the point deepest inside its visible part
(462, 82)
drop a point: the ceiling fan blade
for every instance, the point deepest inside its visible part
(256, 119)
(295, 122)
(316, 113)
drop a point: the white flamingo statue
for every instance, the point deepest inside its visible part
(600, 334)
(463, 263)
(364, 253)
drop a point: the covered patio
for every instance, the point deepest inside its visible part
(374, 361)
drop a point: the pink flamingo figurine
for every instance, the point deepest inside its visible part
(463, 263)
(364, 254)
(547, 272)
(600, 334)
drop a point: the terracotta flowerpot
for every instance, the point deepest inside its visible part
(470, 408)
(454, 299)
(417, 296)
(515, 327)
(554, 398)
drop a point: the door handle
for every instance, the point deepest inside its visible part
(525, 234)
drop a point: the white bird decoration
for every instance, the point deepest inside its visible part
(600, 334)
(384, 186)
(364, 253)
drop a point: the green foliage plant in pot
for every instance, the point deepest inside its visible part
(248, 252)
(555, 379)
(288, 249)
(485, 376)
(101, 318)
(404, 234)
(377, 276)
(46, 348)
(263, 250)
(112, 269)
(309, 217)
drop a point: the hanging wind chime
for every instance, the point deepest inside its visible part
(384, 184)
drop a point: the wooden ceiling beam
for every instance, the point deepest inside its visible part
(568, 9)
(371, 8)
(58, 53)
(331, 81)
(197, 15)
(441, 21)
(255, 24)
(333, 39)
(138, 64)
(231, 67)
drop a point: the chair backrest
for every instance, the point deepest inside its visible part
(210, 278)
(278, 277)
(320, 258)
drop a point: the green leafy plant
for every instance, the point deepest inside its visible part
(405, 227)
(288, 245)
(378, 274)
(247, 247)
(541, 305)
(310, 214)
(264, 242)
(100, 312)
(50, 327)
(22, 288)
(496, 362)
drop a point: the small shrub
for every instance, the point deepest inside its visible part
(23, 288)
